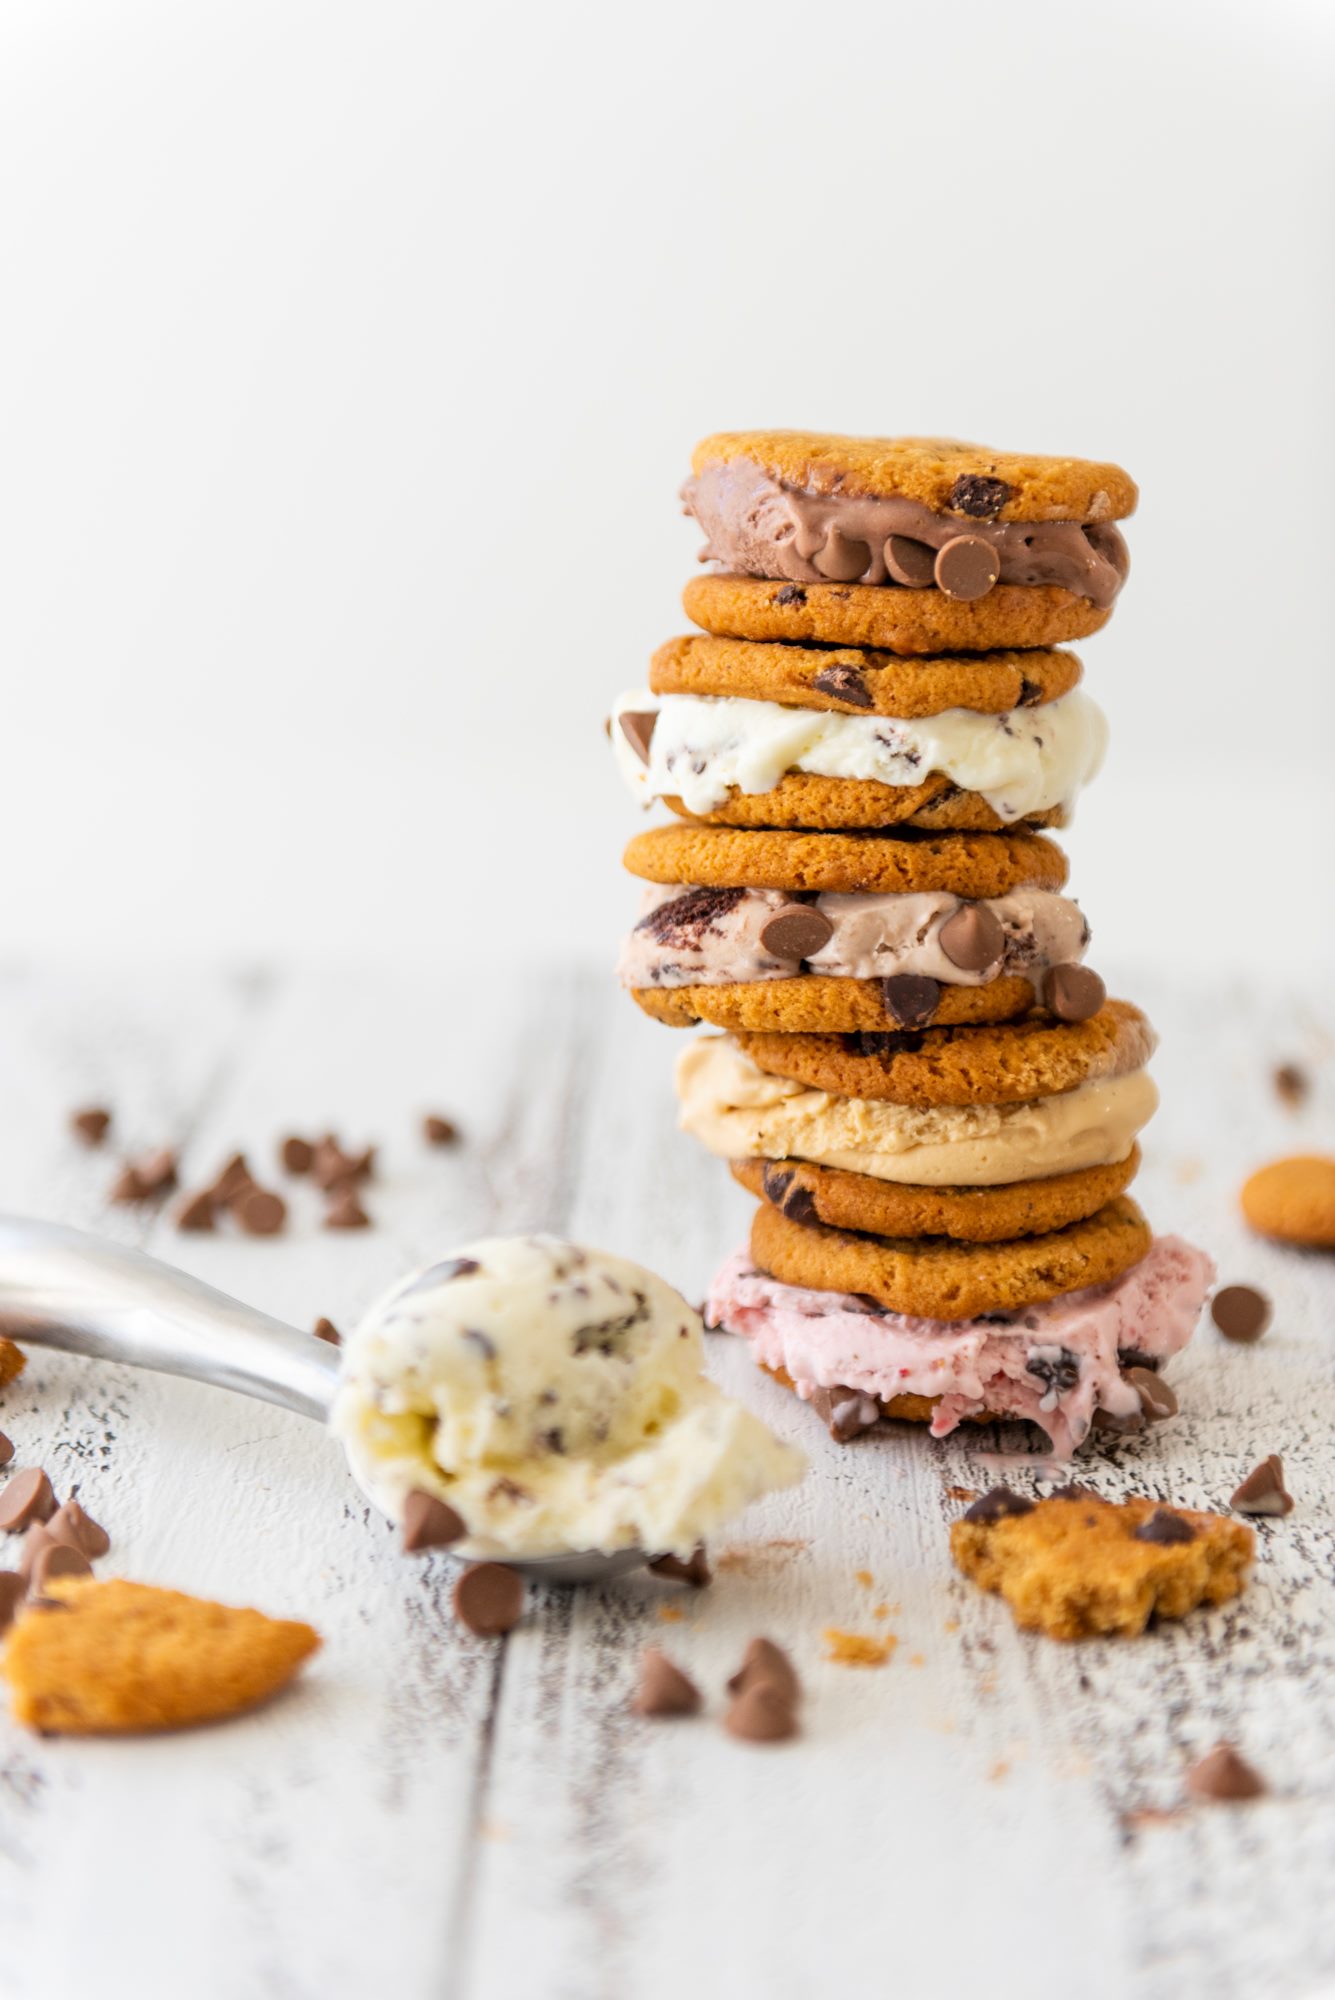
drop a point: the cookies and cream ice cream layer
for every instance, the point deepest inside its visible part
(714, 937)
(740, 1112)
(1028, 760)
(1055, 1364)
(555, 1398)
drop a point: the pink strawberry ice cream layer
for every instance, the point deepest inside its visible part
(1055, 1363)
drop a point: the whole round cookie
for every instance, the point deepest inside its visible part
(1293, 1200)
(934, 1278)
(801, 800)
(909, 622)
(805, 1192)
(850, 680)
(965, 864)
(1005, 1063)
(815, 1004)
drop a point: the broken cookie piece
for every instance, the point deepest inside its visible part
(1073, 1567)
(107, 1658)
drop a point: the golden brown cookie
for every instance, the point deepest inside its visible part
(1293, 1200)
(940, 473)
(1077, 1566)
(817, 1004)
(117, 1656)
(904, 1409)
(1005, 1063)
(807, 1193)
(13, 1361)
(935, 1278)
(800, 799)
(910, 622)
(850, 681)
(964, 864)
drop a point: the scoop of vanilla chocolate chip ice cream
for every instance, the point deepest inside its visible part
(555, 1398)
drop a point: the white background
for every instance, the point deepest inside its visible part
(351, 356)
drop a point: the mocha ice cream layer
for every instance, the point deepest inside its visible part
(1055, 1364)
(1028, 760)
(715, 937)
(741, 1112)
(758, 526)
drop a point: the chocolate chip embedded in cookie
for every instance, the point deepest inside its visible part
(908, 622)
(813, 1005)
(962, 864)
(801, 799)
(1075, 1567)
(1004, 1063)
(854, 681)
(808, 1193)
(117, 1656)
(934, 1278)
(1293, 1201)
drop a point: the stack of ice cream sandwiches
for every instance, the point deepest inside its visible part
(920, 1078)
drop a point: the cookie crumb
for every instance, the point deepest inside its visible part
(858, 1649)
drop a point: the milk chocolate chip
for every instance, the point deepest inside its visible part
(967, 567)
(910, 998)
(57, 1559)
(845, 684)
(998, 1505)
(798, 930)
(765, 1664)
(909, 562)
(664, 1689)
(1164, 1527)
(1157, 1400)
(91, 1125)
(761, 1715)
(637, 726)
(80, 1531)
(13, 1589)
(26, 1498)
(973, 938)
(489, 1599)
(428, 1523)
(1262, 1491)
(1223, 1777)
(1240, 1312)
(1072, 992)
(842, 560)
(694, 1570)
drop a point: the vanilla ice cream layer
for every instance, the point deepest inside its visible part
(712, 937)
(1055, 1364)
(556, 1398)
(741, 1112)
(703, 747)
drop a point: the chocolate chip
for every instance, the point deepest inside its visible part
(846, 1413)
(233, 1181)
(429, 1523)
(910, 562)
(1157, 1400)
(775, 1182)
(26, 1498)
(91, 1125)
(438, 1131)
(297, 1154)
(69, 1524)
(1240, 1312)
(1223, 1777)
(1073, 1490)
(13, 1590)
(57, 1559)
(146, 1178)
(489, 1599)
(664, 1688)
(6, 1449)
(1072, 992)
(637, 726)
(34, 1541)
(841, 560)
(998, 1505)
(975, 493)
(1262, 1491)
(1030, 692)
(1165, 1528)
(845, 684)
(324, 1329)
(895, 1043)
(694, 1570)
(967, 567)
(260, 1212)
(1292, 1084)
(792, 593)
(910, 998)
(335, 1168)
(196, 1212)
(761, 1715)
(346, 1212)
(1057, 1368)
(798, 930)
(766, 1665)
(973, 939)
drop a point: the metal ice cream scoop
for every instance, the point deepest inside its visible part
(63, 1288)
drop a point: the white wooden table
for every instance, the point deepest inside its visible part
(430, 1814)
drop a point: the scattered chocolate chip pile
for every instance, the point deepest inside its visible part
(57, 1540)
(765, 1692)
(234, 1192)
(146, 1178)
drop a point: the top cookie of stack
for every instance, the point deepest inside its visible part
(876, 687)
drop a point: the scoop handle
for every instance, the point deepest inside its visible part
(63, 1288)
